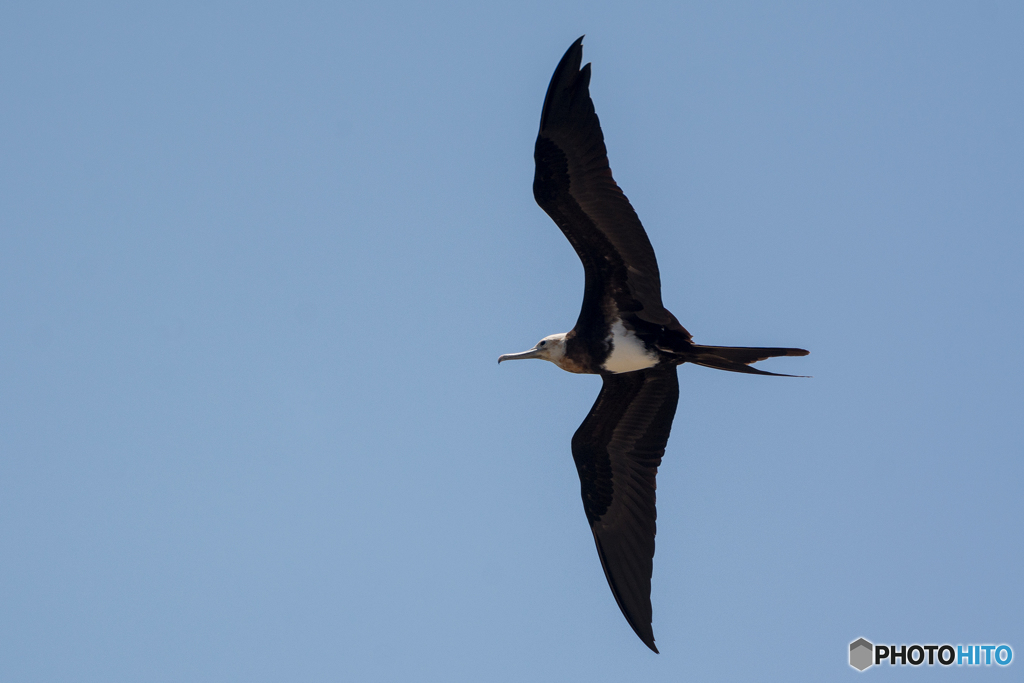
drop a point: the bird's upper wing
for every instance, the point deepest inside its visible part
(574, 185)
(617, 451)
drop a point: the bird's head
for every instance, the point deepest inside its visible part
(550, 348)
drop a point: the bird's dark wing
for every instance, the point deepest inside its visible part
(617, 451)
(574, 185)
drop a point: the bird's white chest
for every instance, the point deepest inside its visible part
(628, 352)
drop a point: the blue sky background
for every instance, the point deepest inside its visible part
(257, 262)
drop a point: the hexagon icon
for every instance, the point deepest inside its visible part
(861, 654)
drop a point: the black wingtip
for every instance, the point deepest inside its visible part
(565, 81)
(574, 56)
(632, 611)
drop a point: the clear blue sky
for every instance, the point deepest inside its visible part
(257, 263)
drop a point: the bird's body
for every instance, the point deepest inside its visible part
(623, 333)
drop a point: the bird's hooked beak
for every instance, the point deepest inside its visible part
(532, 353)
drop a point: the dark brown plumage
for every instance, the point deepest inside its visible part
(617, 450)
(624, 333)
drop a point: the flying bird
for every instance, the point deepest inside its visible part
(624, 333)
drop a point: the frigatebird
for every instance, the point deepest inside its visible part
(623, 333)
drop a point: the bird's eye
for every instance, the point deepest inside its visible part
(542, 343)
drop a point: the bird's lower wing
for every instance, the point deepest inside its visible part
(617, 450)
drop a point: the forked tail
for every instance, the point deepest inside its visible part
(738, 358)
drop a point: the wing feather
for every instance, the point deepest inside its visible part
(617, 450)
(574, 185)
